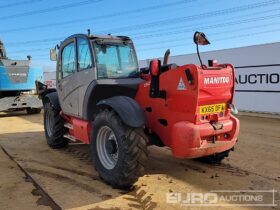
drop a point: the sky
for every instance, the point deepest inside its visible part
(32, 27)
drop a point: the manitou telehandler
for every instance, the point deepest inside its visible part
(103, 99)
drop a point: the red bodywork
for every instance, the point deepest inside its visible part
(176, 120)
(80, 128)
(188, 133)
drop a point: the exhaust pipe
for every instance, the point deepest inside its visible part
(166, 57)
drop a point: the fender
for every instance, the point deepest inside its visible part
(53, 98)
(127, 108)
(102, 89)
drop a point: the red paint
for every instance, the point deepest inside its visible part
(81, 128)
(187, 133)
(154, 67)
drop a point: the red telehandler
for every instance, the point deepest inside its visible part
(104, 100)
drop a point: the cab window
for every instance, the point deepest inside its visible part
(84, 56)
(115, 60)
(68, 61)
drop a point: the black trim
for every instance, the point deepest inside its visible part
(53, 98)
(257, 66)
(189, 76)
(127, 108)
(259, 91)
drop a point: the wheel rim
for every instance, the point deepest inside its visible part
(49, 123)
(107, 147)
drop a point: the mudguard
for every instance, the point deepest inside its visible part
(127, 108)
(53, 98)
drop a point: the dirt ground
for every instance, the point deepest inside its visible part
(33, 176)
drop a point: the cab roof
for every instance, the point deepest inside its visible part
(95, 36)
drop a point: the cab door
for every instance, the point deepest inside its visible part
(68, 85)
(86, 71)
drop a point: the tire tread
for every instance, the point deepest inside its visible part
(134, 143)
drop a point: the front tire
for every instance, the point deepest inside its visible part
(119, 151)
(54, 127)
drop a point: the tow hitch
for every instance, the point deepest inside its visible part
(217, 125)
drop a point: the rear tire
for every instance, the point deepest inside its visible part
(54, 127)
(33, 110)
(119, 151)
(215, 158)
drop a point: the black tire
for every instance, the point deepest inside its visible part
(215, 158)
(54, 127)
(130, 149)
(33, 110)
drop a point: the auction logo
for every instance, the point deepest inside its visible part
(224, 198)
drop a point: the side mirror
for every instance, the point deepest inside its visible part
(199, 38)
(53, 55)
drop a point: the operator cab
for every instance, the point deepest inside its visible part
(91, 68)
(112, 57)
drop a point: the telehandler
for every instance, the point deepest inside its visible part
(103, 99)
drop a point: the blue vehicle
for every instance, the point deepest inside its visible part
(17, 84)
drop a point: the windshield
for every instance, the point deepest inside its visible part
(115, 60)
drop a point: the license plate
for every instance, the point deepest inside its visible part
(210, 109)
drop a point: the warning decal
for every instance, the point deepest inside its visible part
(181, 85)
